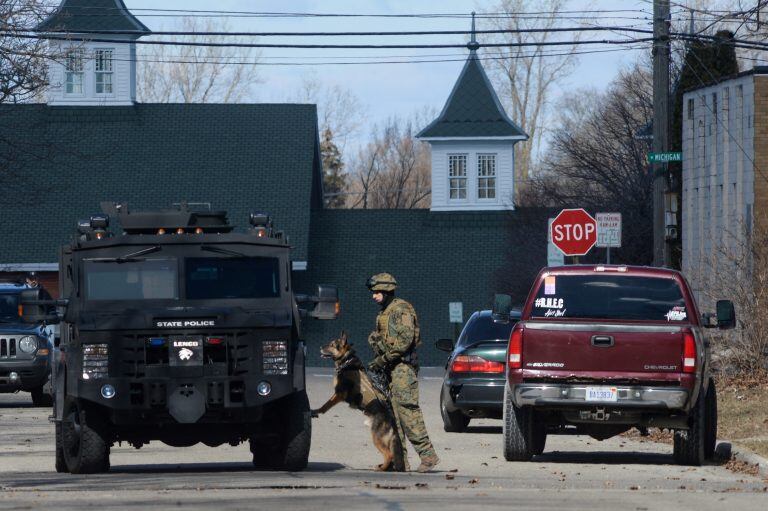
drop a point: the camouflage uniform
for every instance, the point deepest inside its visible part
(394, 344)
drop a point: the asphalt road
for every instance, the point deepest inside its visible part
(573, 473)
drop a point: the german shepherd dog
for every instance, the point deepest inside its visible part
(352, 385)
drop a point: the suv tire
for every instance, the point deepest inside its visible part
(85, 447)
(690, 446)
(711, 427)
(519, 427)
(40, 397)
(61, 464)
(453, 422)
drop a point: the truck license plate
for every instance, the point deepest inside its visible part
(602, 394)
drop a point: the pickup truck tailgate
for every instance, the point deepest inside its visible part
(573, 349)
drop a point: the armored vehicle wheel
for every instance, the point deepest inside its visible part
(539, 441)
(453, 422)
(690, 446)
(518, 427)
(61, 464)
(85, 448)
(41, 398)
(294, 430)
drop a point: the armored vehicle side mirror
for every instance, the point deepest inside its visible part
(35, 309)
(502, 306)
(726, 315)
(326, 302)
(444, 345)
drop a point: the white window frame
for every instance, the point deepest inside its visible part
(457, 176)
(104, 71)
(487, 176)
(74, 72)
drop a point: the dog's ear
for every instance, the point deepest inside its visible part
(343, 336)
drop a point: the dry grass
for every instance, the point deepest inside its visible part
(743, 412)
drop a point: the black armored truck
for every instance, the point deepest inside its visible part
(177, 328)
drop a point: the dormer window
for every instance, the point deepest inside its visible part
(486, 176)
(457, 172)
(104, 71)
(74, 71)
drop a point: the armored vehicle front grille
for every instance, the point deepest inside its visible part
(7, 347)
(139, 358)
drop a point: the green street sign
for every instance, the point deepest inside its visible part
(664, 157)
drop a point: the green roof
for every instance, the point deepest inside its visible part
(92, 15)
(473, 110)
(61, 162)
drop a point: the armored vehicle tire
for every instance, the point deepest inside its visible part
(61, 464)
(518, 427)
(690, 447)
(539, 441)
(40, 397)
(453, 422)
(294, 430)
(85, 447)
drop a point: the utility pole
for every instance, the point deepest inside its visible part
(661, 255)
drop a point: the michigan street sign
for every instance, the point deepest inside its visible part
(664, 157)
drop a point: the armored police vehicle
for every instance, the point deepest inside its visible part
(24, 349)
(177, 328)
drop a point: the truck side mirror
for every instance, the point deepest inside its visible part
(326, 302)
(502, 305)
(35, 309)
(444, 345)
(726, 315)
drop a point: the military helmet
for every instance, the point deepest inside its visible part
(382, 282)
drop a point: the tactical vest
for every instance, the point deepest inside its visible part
(397, 305)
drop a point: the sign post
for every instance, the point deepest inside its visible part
(608, 232)
(574, 232)
(554, 256)
(456, 316)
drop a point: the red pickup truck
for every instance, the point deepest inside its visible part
(602, 349)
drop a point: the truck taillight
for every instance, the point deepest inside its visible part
(689, 353)
(515, 350)
(475, 364)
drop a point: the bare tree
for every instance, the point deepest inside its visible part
(524, 76)
(393, 170)
(198, 74)
(22, 60)
(338, 109)
(596, 160)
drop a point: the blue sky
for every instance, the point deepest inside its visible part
(391, 89)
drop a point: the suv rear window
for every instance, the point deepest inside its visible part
(609, 297)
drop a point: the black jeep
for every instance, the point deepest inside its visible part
(177, 328)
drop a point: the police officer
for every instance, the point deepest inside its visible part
(394, 343)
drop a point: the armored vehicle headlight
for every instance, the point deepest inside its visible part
(95, 361)
(28, 344)
(274, 357)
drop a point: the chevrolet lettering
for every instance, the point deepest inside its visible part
(135, 372)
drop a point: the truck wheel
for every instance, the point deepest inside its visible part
(453, 422)
(518, 429)
(61, 464)
(711, 425)
(85, 448)
(689, 445)
(294, 432)
(40, 397)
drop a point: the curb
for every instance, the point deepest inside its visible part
(726, 451)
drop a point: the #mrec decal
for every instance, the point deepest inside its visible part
(184, 323)
(186, 352)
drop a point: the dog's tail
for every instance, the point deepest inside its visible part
(398, 461)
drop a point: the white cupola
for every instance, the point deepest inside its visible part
(93, 50)
(472, 140)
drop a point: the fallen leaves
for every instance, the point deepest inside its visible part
(742, 467)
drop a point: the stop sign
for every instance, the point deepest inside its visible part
(574, 232)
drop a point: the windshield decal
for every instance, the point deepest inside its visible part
(549, 285)
(676, 314)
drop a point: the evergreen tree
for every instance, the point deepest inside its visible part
(705, 63)
(334, 177)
